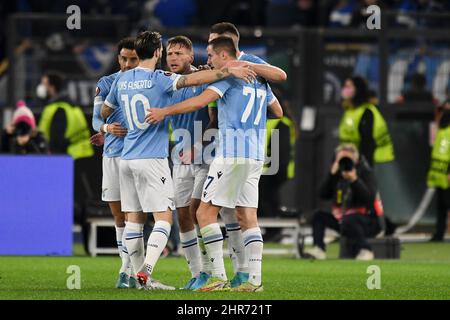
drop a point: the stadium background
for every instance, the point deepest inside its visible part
(317, 53)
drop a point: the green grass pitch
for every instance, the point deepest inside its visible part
(422, 273)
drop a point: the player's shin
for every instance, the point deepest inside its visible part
(156, 244)
(191, 251)
(235, 240)
(253, 242)
(212, 236)
(135, 243)
(206, 263)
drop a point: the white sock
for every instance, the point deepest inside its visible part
(135, 244)
(191, 251)
(213, 238)
(235, 240)
(206, 264)
(156, 244)
(119, 236)
(253, 242)
(123, 250)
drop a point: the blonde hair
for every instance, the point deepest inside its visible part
(348, 147)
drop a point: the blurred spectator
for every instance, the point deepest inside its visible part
(418, 92)
(341, 14)
(63, 124)
(362, 123)
(439, 173)
(288, 131)
(21, 136)
(351, 185)
(65, 127)
(418, 6)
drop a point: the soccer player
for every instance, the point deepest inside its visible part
(189, 177)
(265, 70)
(233, 176)
(145, 181)
(189, 170)
(111, 135)
(233, 230)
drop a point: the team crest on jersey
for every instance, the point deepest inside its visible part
(219, 174)
(163, 180)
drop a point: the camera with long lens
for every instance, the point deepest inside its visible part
(346, 164)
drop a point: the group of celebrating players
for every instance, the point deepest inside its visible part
(133, 110)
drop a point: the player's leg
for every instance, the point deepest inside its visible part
(183, 179)
(111, 194)
(155, 192)
(235, 241)
(134, 235)
(155, 246)
(221, 189)
(205, 266)
(119, 222)
(253, 243)
(212, 236)
(246, 209)
(200, 174)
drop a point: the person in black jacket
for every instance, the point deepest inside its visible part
(21, 136)
(352, 186)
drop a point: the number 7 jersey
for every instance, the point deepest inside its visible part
(134, 92)
(242, 114)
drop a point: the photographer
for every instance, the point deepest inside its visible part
(352, 187)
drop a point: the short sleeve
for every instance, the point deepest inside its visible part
(101, 92)
(111, 99)
(270, 96)
(220, 87)
(167, 81)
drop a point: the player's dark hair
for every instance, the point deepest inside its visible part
(147, 43)
(56, 80)
(126, 43)
(224, 43)
(225, 27)
(180, 40)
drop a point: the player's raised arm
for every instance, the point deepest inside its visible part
(266, 71)
(157, 115)
(275, 108)
(210, 76)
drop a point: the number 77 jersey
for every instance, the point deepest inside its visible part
(242, 115)
(134, 92)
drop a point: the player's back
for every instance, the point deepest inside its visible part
(242, 115)
(136, 91)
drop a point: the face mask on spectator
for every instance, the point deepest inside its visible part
(41, 91)
(347, 93)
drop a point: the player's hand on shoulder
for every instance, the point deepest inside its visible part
(155, 115)
(237, 63)
(117, 130)
(97, 139)
(245, 73)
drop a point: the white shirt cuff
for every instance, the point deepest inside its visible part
(216, 90)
